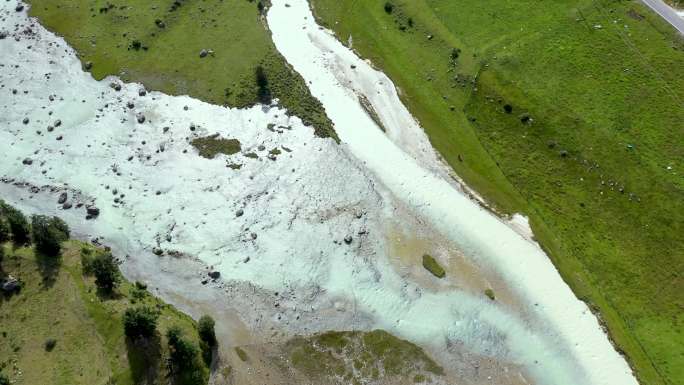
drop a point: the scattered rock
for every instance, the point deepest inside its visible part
(57, 123)
(19, 8)
(88, 65)
(27, 161)
(239, 213)
(214, 274)
(3, 35)
(25, 121)
(141, 118)
(203, 53)
(130, 105)
(62, 198)
(66, 206)
(142, 92)
(563, 153)
(159, 23)
(348, 239)
(157, 251)
(11, 284)
(92, 212)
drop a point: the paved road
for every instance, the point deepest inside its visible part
(667, 13)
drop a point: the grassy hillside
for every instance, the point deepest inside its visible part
(571, 112)
(60, 303)
(159, 43)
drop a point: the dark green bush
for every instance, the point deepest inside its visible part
(205, 327)
(389, 7)
(50, 344)
(106, 271)
(48, 234)
(140, 322)
(184, 359)
(4, 229)
(264, 91)
(18, 225)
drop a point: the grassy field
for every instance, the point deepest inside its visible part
(571, 112)
(63, 304)
(158, 43)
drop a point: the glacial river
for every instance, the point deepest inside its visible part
(573, 349)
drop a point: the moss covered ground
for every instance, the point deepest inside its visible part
(213, 145)
(58, 302)
(431, 265)
(160, 43)
(354, 357)
(571, 112)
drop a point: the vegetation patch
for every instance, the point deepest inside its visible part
(68, 329)
(431, 265)
(360, 357)
(210, 146)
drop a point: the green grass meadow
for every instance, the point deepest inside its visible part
(590, 147)
(158, 43)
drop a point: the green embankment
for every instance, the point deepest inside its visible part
(60, 303)
(158, 43)
(590, 146)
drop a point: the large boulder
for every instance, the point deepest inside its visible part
(11, 284)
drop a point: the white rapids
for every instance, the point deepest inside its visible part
(276, 227)
(324, 62)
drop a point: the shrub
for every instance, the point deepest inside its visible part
(184, 360)
(183, 352)
(50, 344)
(4, 380)
(106, 272)
(263, 92)
(389, 7)
(48, 234)
(140, 322)
(18, 225)
(4, 230)
(206, 330)
(207, 338)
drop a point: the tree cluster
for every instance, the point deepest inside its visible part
(48, 233)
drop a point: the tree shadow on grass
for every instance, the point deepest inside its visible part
(143, 359)
(108, 295)
(48, 266)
